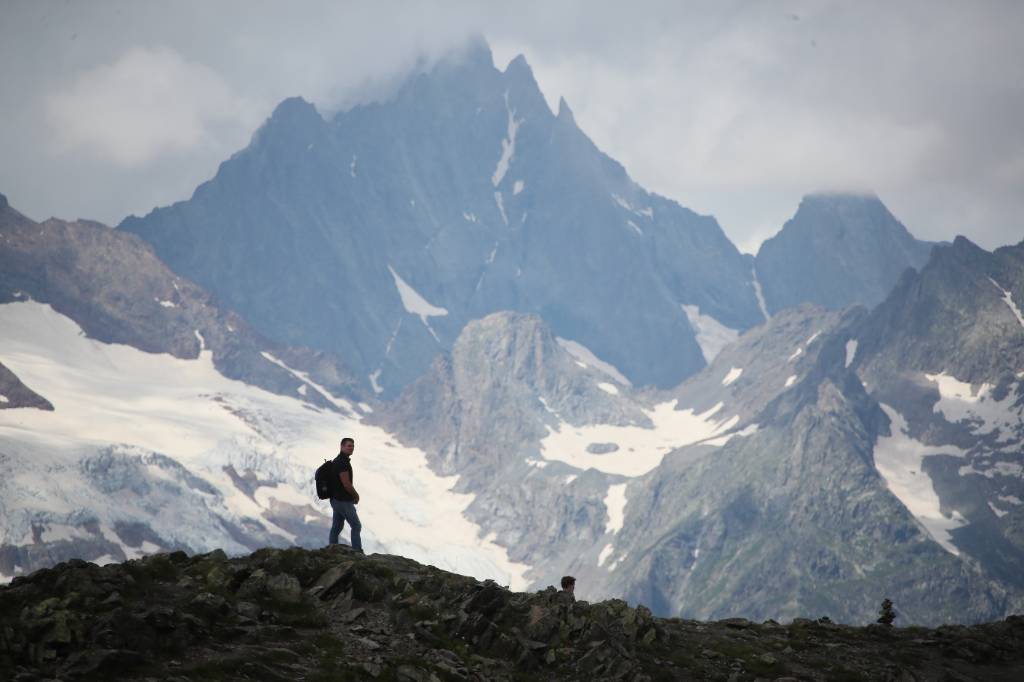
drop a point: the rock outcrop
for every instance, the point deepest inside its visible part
(336, 614)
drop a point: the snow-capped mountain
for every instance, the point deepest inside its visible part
(786, 479)
(140, 417)
(944, 356)
(838, 250)
(379, 232)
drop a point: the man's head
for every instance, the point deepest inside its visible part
(568, 583)
(347, 446)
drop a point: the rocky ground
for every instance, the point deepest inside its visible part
(333, 614)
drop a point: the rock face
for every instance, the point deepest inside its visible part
(944, 355)
(838, 250)
(334, 614)
(15, 394)
(768, 490)
(379, 233)
(118, 291)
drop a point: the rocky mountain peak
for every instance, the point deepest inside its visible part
(565, 113)
(837, 250)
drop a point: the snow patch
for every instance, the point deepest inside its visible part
(712, 335)
(500, 203)
(851, 351)
(608, 388)
(166, 304)
(759, 294)
(570, 478)
(374, 378)
(518, 187)
(469, 217)
(797, 353)
(585, 358)
(605, 553)
(635, 227)
(719, 441)
(201, 339)
(959, 402)
(615, 503)
(508, 145)
(672, 429)
(1008, 299)
(365, 408)
(4, 399)
(352, 166)
(811, 340)
(416, 304)
(898, 458)
(732, 376)
(998, 512)
(340, 403)
(790, 380)
(302, 390)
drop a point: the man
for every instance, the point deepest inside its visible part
(345, 498)
(568, 584)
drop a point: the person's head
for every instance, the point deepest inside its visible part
(568, 583)
(347, 446)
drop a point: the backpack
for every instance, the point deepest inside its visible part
(326, 481)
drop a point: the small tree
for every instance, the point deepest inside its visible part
(886, 615)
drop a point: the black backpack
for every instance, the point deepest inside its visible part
(326, 481)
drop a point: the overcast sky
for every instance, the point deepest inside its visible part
(736, 109)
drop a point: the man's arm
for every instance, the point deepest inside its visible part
(346, 483)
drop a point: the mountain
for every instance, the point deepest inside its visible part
(838, 250)
(378, 233)
(141, 417)
(780, 481)
(335, 614)
(113, 286)
(944, 355)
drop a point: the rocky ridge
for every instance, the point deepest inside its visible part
(837, 250)
(335, 614)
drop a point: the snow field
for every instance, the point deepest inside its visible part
(712, 335)
(898, 458)
(107, 394)
(647, 446)
(615, 503)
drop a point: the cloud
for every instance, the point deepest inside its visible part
(147, 103)
(733, 108)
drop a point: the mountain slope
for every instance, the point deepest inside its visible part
(944, 355)
(118, 291)
(758, 488)
(170, 424)
(379, 233)
(838, 250)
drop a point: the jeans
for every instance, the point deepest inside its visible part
(345, 511)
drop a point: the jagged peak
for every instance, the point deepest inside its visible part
(832, 198)
(518, 65)
(565, 113)
(295, 109)
(3, 202)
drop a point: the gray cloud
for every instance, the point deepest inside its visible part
(733, 108)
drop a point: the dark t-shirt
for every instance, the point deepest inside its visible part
(342, 463)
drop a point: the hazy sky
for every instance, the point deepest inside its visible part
(735, 109)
